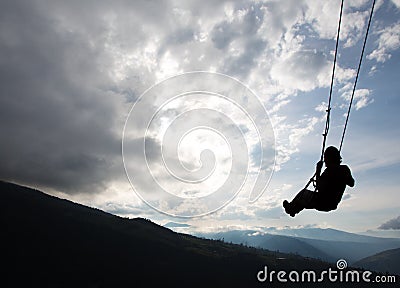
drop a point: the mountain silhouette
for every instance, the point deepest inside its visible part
(386, 262)
(51, 242)
(271, 242)
(325, 244)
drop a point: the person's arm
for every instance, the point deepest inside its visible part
(319, 168)
(349, 178)
(318, 172)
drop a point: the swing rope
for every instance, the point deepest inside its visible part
(358, 72)
(328, 110)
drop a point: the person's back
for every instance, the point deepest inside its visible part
(332, 184)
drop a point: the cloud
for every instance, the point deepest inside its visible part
(223, 34)
(346, 196)
(362, 97)
(272, 213)
(238, 38)
(279, 19)
(324, 16)
(123, 210)
(302, 70)
(397, 3)
(237, 210)
(290, 137)
(393, 224)
(388, 41)
(58, 119)
(69, 77)
(176, 225)
(353, 27)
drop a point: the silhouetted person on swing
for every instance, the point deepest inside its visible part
(330, 186)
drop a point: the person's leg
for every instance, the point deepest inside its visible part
(304, 199)
(301, 200)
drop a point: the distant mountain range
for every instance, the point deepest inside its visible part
(325, 244)
(51, 242)
(386, 262)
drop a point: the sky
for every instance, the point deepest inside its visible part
(73, 73)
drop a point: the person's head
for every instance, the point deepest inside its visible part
(332, 156)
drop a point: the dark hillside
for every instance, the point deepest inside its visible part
(50, 242)
(386, 262)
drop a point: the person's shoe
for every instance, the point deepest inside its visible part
(288, 209)
(285, 205)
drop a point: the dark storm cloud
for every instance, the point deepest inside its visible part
(57, 118)
(391, 224)
(66, 88)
